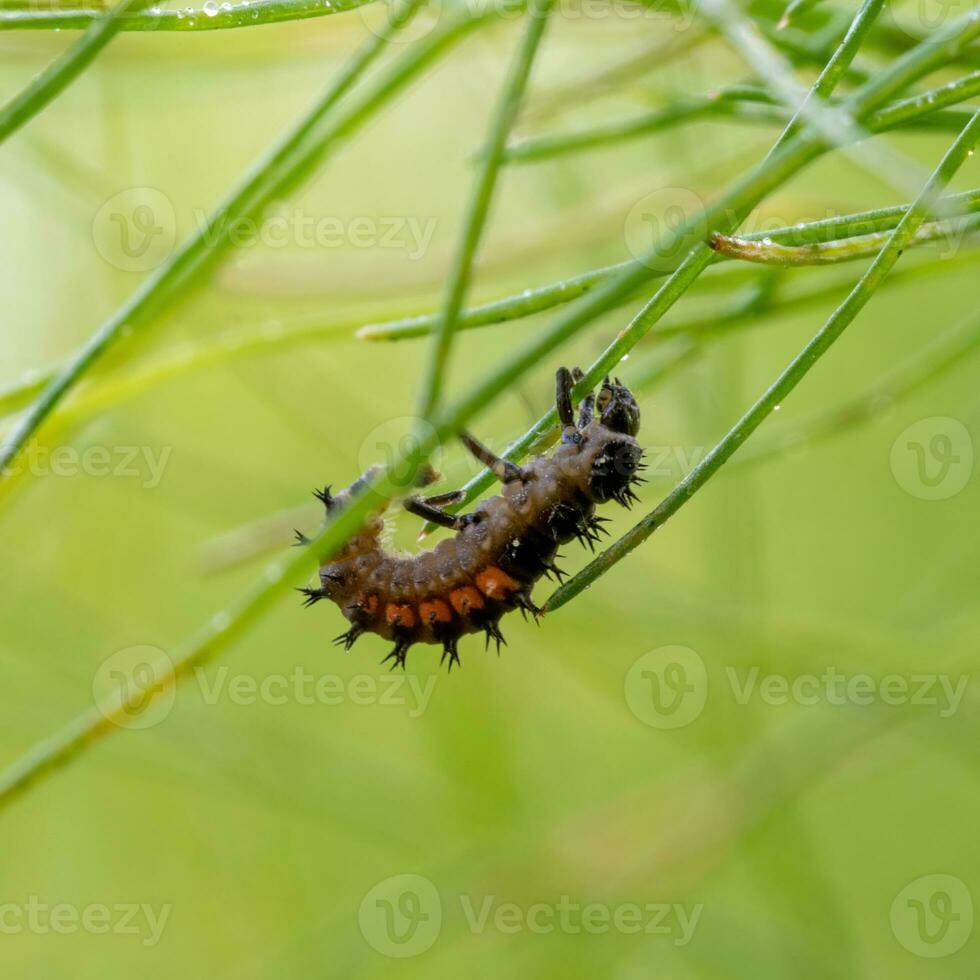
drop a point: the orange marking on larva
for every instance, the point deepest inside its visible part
(465, 599)
(435, 611)
(400, 615)
(495, 583)
(369, 604)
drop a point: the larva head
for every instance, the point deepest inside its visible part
(614, 469)
(617, 408)
(618, 455)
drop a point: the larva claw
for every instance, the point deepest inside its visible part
(449, 650)
(346, 640)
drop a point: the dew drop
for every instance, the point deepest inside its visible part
(211, 8)
(220, 622)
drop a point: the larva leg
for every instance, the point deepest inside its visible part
(326, 497)
(445, 499)
(565, 380)
(429, 512)
(362, 482)
(585, 411)
(503, 469)
(563, 396)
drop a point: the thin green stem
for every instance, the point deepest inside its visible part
(532, 149)
(769, 252)
(787, 381)
(836, 126)
(914, 108)
(740, 313)
(945, 353)
(749, 103)
(594, 86)
(555, 294)
(51, 82)
(931, 54)
(478, 208)
(794, 10)
(253, 13)
(832, 74)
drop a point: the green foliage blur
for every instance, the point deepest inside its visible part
(749, 751)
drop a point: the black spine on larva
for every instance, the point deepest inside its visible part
(468, 582)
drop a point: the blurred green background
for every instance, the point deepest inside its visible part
(268, 833)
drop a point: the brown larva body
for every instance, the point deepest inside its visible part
(488, 568)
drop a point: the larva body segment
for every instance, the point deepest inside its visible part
(468, 582)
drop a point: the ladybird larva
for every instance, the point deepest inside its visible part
(499, 550)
